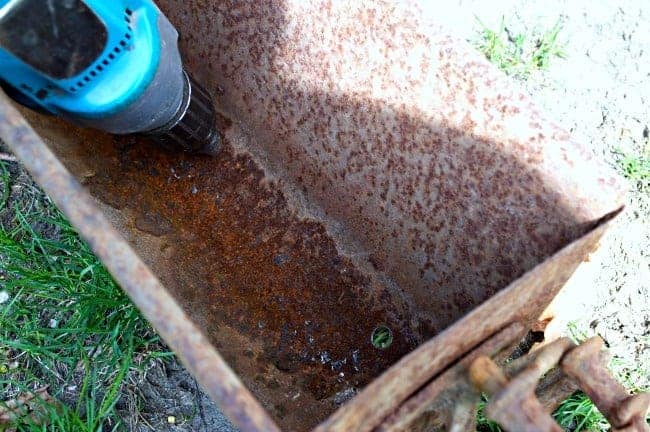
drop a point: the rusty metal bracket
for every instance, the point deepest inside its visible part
(513, 402)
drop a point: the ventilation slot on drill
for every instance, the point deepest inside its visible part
(122, 44)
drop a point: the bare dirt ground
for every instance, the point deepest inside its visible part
(165, 390)
(601, 94)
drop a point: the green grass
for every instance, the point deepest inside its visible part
(65, 323)
(519, 54)
(577, 413)
(381, 337)
(483, 424)
(636, 168)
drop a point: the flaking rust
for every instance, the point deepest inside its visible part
(285, 309)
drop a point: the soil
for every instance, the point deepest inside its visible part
(167, 399)
(599, 93)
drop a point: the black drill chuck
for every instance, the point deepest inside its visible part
(193, 128)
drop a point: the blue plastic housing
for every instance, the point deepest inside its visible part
(113, 81)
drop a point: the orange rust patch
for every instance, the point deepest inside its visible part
(239, 260)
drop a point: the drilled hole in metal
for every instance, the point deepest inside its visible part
(381, 337)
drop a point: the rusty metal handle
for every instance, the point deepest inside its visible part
(513, 403)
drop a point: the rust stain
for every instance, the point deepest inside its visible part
(445, 173)
(290, 314)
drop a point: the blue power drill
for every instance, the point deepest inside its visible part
(112, 65)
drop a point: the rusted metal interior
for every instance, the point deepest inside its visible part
(376, 171)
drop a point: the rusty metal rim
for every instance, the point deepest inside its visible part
(386, 393)
(135, 278)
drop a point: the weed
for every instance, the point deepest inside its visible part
(64, 323)
(517, 54)
(483, 424)
(547, 47)
(636, 168)
(578, 413)
(576, 333)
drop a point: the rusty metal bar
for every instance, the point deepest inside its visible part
(515, 406)
(587, 365)
(554, 388)
(135, 278)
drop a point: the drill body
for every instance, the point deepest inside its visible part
(111, 65)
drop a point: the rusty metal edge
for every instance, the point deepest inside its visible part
(413, 407)
(539, 285)
(136, 279)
